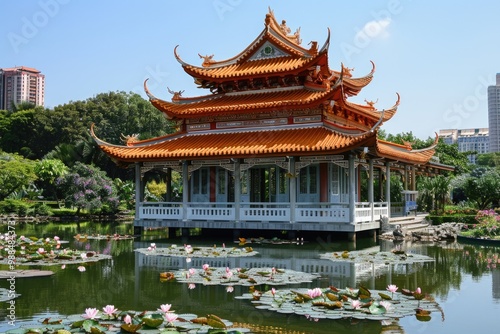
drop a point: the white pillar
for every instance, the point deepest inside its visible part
(293, 188)
(237, 190)
(388, 187)
(352, 189)
(185, 189)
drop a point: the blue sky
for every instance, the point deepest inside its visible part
(439, 56)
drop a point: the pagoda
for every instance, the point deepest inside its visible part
(275, 144)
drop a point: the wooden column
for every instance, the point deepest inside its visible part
(168, 184)
(413, 179)
(323, 182)
(138, 189)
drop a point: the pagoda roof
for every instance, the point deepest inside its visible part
(369, 109)
(405, 153)
(295, 97)
(274, 51)
(306, 140)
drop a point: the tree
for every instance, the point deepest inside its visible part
(16, 174)
(450, 155)
(48, 171)
(434, 192)
(482, 187)
(488, 159)
(87, 187)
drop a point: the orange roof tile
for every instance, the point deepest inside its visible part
(403, 153)
(269, 66)
(250, 101)
(369, 110)
(278, 142)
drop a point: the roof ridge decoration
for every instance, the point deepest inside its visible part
(275, 40)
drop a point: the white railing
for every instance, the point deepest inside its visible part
(322, 212)
(380, 209)
(160, 210)
(263, 211)
(216, 211)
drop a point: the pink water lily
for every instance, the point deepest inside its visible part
(386, 305)
(229, 273)
(90, 313)
(418, 291)
(81, 269)
(127, 319)
(273, 291)
(356, 304)
(392, 288)
(316, 292)
(56, 238)
(191, 286)
(109, 310)
(165, 308)
(229, 289)
(41, 250)
(192, 271)
(171, 317)
(205, 267)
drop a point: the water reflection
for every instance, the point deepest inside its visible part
(461, 274)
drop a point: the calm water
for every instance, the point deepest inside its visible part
(463, 280)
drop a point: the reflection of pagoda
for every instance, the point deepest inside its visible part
(275, 145)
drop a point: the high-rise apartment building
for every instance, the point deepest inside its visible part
(494, 115)
(468, 140)
(21, 84)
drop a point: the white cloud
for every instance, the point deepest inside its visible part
(374, 29)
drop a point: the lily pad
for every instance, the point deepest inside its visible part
(153, 320)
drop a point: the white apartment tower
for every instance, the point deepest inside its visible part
(21, 84)
(494, 115)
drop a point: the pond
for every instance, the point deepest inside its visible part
(464, 280)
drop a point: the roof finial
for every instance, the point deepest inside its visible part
(207, 60)
(176, 95)
(371, 103)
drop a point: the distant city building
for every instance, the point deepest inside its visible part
(494, 115)
(21, 84)
(468, 140)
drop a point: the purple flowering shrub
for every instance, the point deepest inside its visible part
(88, 188)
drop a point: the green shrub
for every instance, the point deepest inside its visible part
(43, 210)
(465, 219)
(10, 205)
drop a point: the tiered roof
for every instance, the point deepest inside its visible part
(274, 98)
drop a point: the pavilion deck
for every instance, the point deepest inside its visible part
(332, 217)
